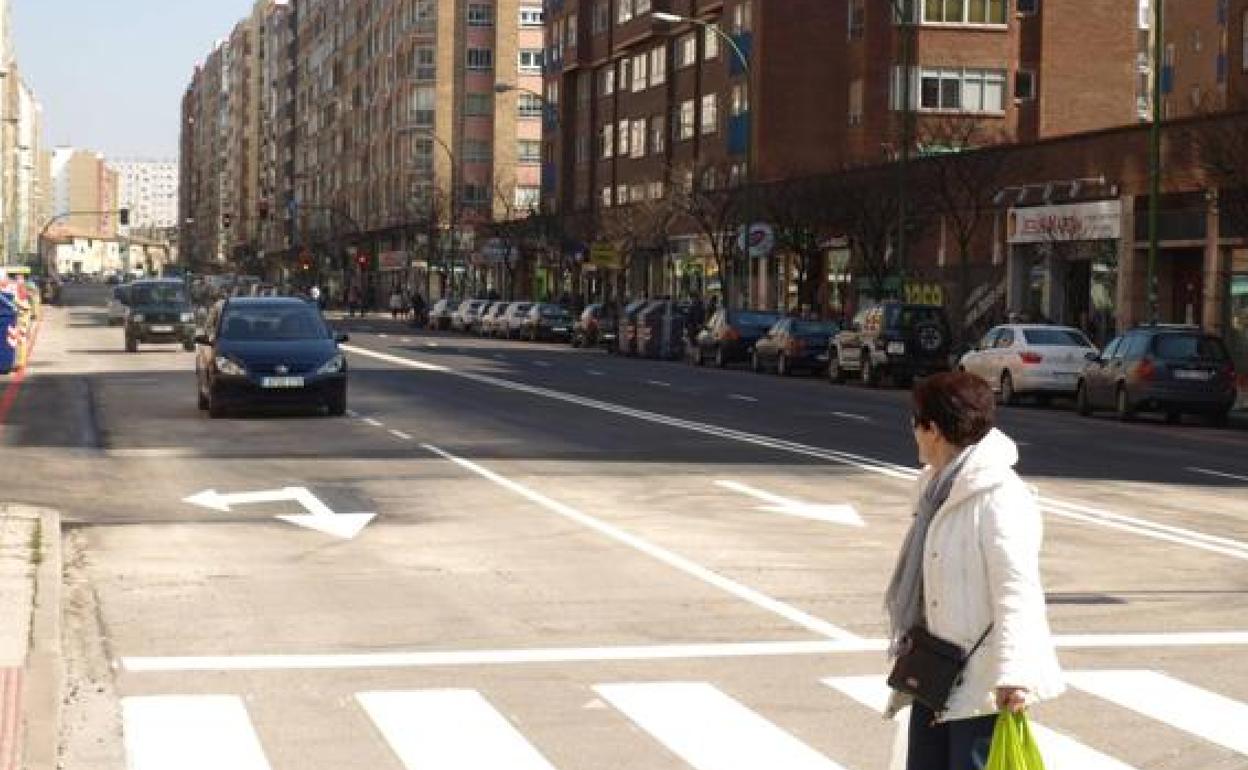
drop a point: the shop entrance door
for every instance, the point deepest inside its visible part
(1188, 287)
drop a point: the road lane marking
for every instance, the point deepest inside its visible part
(383, 336)
(1060, 751)
(352, 413)
(712, 651)
(659, 383)
(400, 434)
(500, 356)
(406, 340)
(449, 730)
(543, 364)
(190, 732)
(739, 397)
(1219, 474)
(689, 567)
(851, 416)
(1205, 714)
(372, 422)
(1070, 510)
(832, 514)
(595, 373)
(709, 729)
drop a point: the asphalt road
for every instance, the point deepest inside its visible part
(584, 562)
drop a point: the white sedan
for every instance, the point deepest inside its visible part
(1034, 360)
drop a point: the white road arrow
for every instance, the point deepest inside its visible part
(833, 514)
(319, 516)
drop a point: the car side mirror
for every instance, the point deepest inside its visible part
(202, 339)
(341, 337)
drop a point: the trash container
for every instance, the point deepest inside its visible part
(10, 336)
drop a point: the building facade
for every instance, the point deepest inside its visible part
(149, 189)
(84, 192)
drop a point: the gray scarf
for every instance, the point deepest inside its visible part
(904, 599)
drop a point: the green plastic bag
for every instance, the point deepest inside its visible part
(1013, 748)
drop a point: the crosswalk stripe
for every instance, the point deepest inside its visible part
(1202, 713)
(190, 732)
(449, 730)
(1060, 752)
(710, 730)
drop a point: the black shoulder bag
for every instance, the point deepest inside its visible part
(928, 667)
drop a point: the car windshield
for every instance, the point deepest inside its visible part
(815, 327)
(157, 294)
(272, 322)
(754, 319)
(1056, 338)
(1179, 347)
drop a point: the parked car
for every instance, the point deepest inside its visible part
(1030, 360)
(511, 323)
(792, 345)
(486, 309)
(440, 315)
(492, 318)
(159, 312)
(1174, 370)
(118, 305)
(269, 350)
(466, 314)
(893, 339)
(730, 335)
(661, 329)
(547, 321)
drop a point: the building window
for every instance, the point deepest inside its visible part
(478, 104)
(624, 146)
(424, 64)
(582, 149)
(529, 105)
(531, 17)
(740, 99)
(640, 71)
(641, 7)
(658, 65)
(608, 80)
(621, 194)
(602, 17)
(480, 59)
(476, 194)
(638, 139)
(531, 60)
(476, 151)
(710, 43)
(658, 134)
(855, 102)
(1025, 84)
(857, 19)
(608, 141)
(624, 11)
(710, 113)
(655, 191)
(584, 88)
(624, 75)
(480, 15)
(964, 11)
(743, 18)
(1027, 7)
(529, 151)
(570, 30)
(687, 50)
(687, 126)
(970, 90)
(528, 197)
(420, 107)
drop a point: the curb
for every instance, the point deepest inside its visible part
(44, 662)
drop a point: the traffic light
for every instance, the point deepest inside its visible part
(361, 259)
(227, 220)
(123, 217)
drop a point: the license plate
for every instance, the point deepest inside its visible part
(561, 329)
(282, 382)
(1199, 375)
(821, 357)
(896, 348)
(162, 330)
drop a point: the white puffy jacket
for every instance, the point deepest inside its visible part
(981, 566)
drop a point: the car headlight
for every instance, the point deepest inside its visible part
(333, 365)
(138, 318)
(187, 318)
(230, 367)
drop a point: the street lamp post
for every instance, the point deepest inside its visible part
(749, 136)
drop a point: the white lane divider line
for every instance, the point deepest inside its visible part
(740, 397)
(659, 383)
(352, 413)
(500, 356)
(1070, 510)
(709, 729)
(1207, 715)
(1060, 752)
(431, 344)
(384, 336)
(852, 416)
(406, 340)
(689, 567)
(190, 732)
(543, 364)
(400, 434)
(1218, 474)
(372, 422)
(449, 730)
(595, 373)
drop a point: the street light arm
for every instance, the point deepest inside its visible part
(736, 49)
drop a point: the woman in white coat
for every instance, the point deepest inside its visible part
(970, 565)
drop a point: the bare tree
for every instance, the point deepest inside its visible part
(707, 199)
(867, 208)
(804, 215)
(637, 229)
(513, 232)
(1221, 147)
(426, 218)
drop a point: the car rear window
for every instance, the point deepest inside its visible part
(172, 294)
(755, 319)
(815, 327)
(1188, 346)
(1056, 338)
(272, 322)
(907, 317)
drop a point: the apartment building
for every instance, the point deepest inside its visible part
(1205, 57)
(149, 189)
(278, 128)
(204, 188)
(82, 181)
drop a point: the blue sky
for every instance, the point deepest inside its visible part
(111, 73)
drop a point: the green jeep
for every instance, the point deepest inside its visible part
(159, 312)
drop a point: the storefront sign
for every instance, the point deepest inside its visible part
(1092, 221)
(392, 260)
(925, 293)
(604, 255)
(762, 240)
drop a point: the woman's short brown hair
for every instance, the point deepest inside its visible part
(960, 405)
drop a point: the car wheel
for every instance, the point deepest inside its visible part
(1082, 405)
(1173, 417)
(200, 398)
(338, 403)
(836, 375)
(1220, 418)
(1123, 407)
(721, 360)
(870, 377)
(189, 346)
(132, 345)
(1008, 396)
(216, 409)
(782, 366)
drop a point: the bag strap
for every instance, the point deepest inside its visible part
(984, 636)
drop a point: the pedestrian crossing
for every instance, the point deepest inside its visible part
(695, 722)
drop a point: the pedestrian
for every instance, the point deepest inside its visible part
(396, 303)
(353, 300)
(969, 571)
(418, 310)
(314, 294)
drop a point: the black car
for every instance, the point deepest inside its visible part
(1167, 369)
(159, 312)
(896, 339)
(730, 335)
(269, 351)
(792, 345)
(546, 321)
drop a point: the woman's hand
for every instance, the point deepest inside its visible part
(1012, 699)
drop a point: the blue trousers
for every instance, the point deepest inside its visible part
(958, 745)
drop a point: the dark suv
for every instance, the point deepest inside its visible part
(893, 339)
(1168, 369)
(159, 311)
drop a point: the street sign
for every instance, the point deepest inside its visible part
(832, 514)
(603, 254)
(762, 240)
(319, 516)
